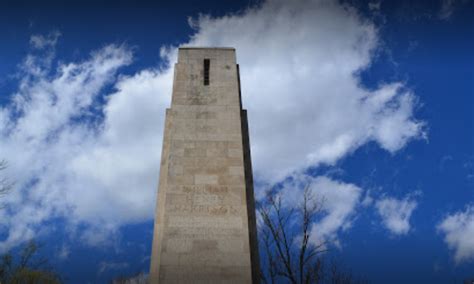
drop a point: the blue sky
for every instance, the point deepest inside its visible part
(370, 103)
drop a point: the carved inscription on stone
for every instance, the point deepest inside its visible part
(205, 222)
(205, 199)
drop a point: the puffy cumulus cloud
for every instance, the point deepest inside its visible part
(69, 163)
(299, 63)
(339, 202)
(96, 163)
(396, 213)
(122, 165)
(458, 230)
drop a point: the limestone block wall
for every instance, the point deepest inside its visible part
(205, 223)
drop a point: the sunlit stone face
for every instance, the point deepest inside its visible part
(205, 220)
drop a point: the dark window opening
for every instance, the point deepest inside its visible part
(207, 63)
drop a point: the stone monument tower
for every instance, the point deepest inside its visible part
(205, 230)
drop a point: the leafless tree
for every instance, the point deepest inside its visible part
(5, 184)
(29, 268)
(288, 254)
(138, 278)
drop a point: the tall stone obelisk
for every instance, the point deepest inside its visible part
(205, 229)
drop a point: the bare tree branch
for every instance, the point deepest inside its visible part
(279, 238)
(5, 184)
(286, 238)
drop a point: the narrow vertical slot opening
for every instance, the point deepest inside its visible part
(207, 63)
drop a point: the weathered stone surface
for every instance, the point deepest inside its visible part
(205, 228)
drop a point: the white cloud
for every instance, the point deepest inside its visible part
(396, 213)
(458, 230)
(447, 9)
(339, 204)
(105, 266)
(299, 63)
(140, 278)
(43, 132)
(368, 199)
(64, 252)
(374, 6)
(42, 41)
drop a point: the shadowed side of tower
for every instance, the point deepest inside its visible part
(205, 229)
